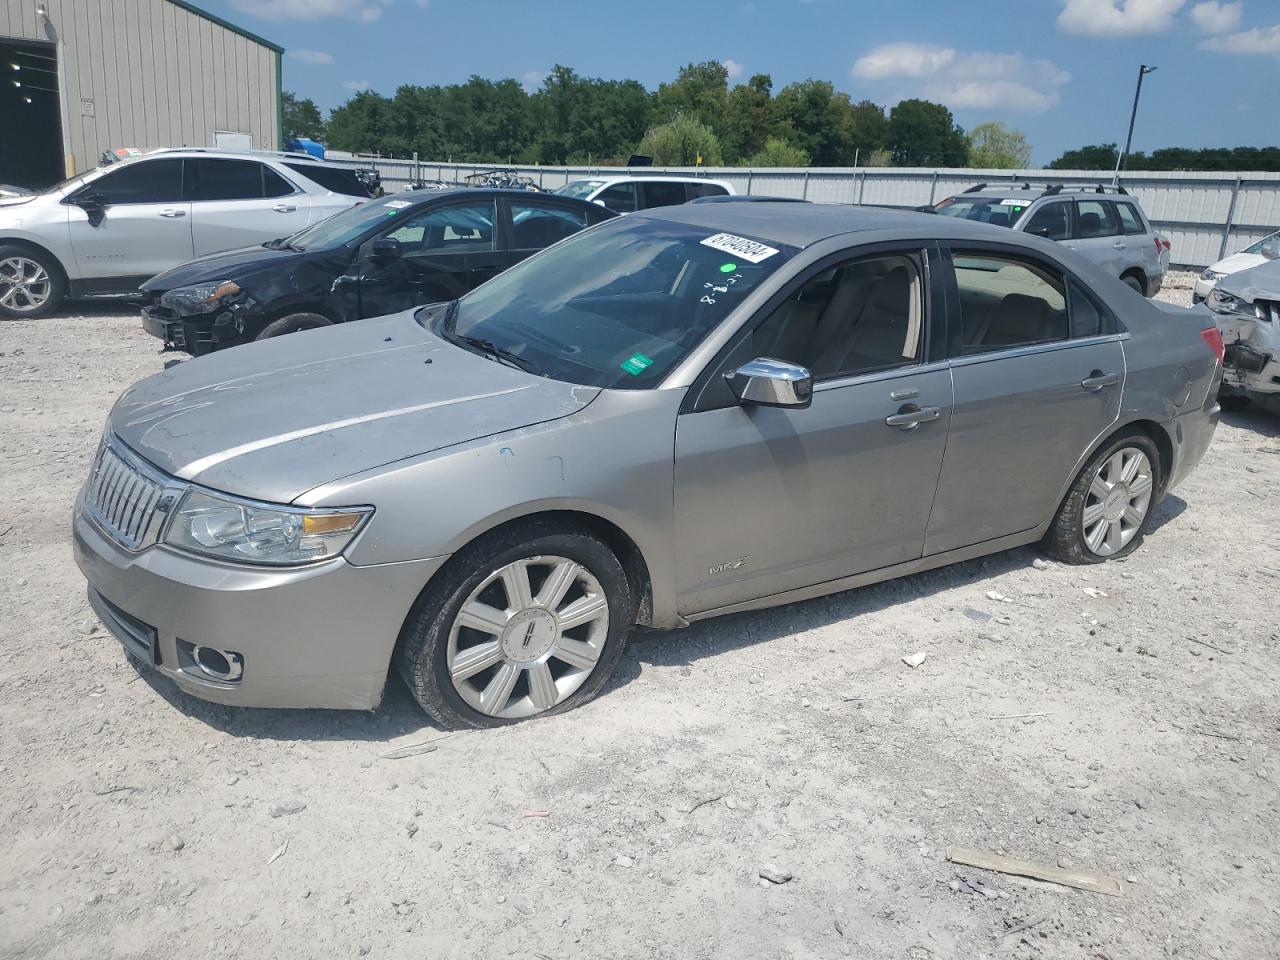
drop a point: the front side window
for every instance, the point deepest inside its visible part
(1097, 218)
(620, 197)
(854, 318)
(1256, 248)
(1053, 221)
(579, 189)
(1001, 212)
(458, 228)
(620, 307)
(537, 225)
(143, 181)
(210, 179)
(1006, 302)
(1130, 222)
(658, 193)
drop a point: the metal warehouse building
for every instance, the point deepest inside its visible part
(79, 77)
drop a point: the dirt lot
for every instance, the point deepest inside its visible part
(1122, 718)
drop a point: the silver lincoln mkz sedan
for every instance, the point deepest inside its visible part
(684, 412)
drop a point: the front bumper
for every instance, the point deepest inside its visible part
(200, 333)
(310, 637)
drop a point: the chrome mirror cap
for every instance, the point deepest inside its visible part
(772, 383)
(1271, 249)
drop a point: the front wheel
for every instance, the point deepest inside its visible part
(1107, 511)
(523, 622)
(293, 323)
(31, 284)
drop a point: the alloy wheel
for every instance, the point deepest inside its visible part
(1118, 501)
(25, 285)
(528, 637)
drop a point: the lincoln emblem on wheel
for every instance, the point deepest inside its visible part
(491, 491)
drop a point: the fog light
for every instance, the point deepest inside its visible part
(224, 666)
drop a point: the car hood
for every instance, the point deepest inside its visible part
(1237, 262)
(1257, 283)
(227, 265)
(271, 420)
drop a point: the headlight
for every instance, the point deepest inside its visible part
(247, 532)
(202, 297)
(1213, 276)
(1222, 302)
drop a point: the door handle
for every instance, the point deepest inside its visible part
(284, 208)
(911, 416)
(1097, 380)
(173, 213)
(1118, 245)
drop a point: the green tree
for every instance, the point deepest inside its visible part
(924, 134)
(577, 119)
(993, 146)
(701, 91)
(681, 142)
(866, 131)
(776, 152)
(1094, 157)
(367, 123)
(749, 119)
(301, 117)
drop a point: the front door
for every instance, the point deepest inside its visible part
(145, 226)
(1038, 372)
(445, 250)
(240, 203)
(772, 499)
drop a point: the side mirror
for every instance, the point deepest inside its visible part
(1271, 249)
(94, 206)
(772, 383)
(385, 249)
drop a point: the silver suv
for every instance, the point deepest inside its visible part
(1104, 224)
(106, 231)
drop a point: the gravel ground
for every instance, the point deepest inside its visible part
(1121, 718)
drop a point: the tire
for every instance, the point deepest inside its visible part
(31, 283)
(293, 323)
(514, 657)
(1135, 283)
(1091, 496)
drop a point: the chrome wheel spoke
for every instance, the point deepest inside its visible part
(582, 610)
(1131, 466)
(472, 660)
(1115, 468)
(515, 579)
(1099, 487)
(494, 697)
(1140, 485)
(1092, 514)
(1096, 537)
(575, 653)
(1133, 516)
(542, 687)
(1115, 536)
(482, 617)
(557, 584)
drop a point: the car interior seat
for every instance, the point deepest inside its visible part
(875, 335)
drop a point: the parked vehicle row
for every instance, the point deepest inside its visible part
(1254, 255)
(629, 194)
(688, 411)
(1246, 307)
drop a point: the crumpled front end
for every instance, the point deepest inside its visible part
(1251, 365)
(200, 328)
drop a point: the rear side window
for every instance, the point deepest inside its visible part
(334, 179)
(620, 197)
(1087, 320)
(536, 225)
(1053, 221)
(1097, 219)
(707, 190)
(210, 179)
(659, 194)
(274, 185)
(1130, 222)
(1006, 302)
(143, 181)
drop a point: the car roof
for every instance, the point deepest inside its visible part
(422, 196)
(618, 178)
(804, 224)
(290, 156)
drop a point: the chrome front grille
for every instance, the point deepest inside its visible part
(125, 497)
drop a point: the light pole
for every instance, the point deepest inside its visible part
(1121, 160)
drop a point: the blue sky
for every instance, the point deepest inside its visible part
(1061, 70)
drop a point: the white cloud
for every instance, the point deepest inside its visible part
(1214, 17)
(1117, 18)
(356, 85)
(531, 80)
(966, 80)
(316, 57)
(1260, 41)
(734, 68)
(364, 10)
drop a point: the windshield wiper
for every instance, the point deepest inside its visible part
(282, 244)
(498, 353)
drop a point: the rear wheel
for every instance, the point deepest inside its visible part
(1107, 511)
(293, 323)
(526, 621)
(1134, 282)
(31, 284)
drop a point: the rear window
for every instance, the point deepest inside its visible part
(998, 211)
(1129, 219)
(707, 190)
(334, 179)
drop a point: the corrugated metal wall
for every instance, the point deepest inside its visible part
(150, 73)
(1205, 215)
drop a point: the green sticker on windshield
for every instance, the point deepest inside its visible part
(728, 267)
(636, 364)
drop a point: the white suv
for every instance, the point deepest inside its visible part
(106, 231)
(629, 194)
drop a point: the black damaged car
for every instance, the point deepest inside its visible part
(386, 255)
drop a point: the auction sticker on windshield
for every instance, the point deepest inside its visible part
(749, 250)
(398, 204)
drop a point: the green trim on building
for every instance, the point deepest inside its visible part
(227, 25)
(279, 101)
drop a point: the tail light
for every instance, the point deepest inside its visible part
(1162, 245)
(1212, 336)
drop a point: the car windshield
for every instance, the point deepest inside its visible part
(349, 224)
(579, 189)
(617, 306)
(1257, 247)
(1001, 211)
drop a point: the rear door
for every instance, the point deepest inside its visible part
(1038, 371)
(240, 203)
(145, 227)
(1098, 235)
(446, 249)
(621, 197)
(540, 221)
(662, 193)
